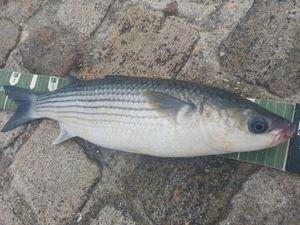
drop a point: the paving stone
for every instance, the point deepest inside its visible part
(153, 190)
(28, 7)
(204, 13)
(144, 43)
(9, 9)
(89, 14)
(268, 197)
(294, 98)
(49, 51)
(116, 10)
(7, 216)
(9, 137)
(107, 198)
(264, 48)
(111, 216)
(3, 2)
(20, 11)
(9, 37)
(203, 64)
(15, 204)
(15, 62)
(52, 180)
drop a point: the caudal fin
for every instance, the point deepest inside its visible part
(25, 101)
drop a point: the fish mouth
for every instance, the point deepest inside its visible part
(285, 133)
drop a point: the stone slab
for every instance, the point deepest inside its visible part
(264, 48)
(145, 43)
(9, 37)
(10, 137)
(82, 16)
(49, 51)
(53, 180)
(268, 197)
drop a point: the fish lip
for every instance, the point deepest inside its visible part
(285, 133)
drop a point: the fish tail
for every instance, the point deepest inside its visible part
(25, 101)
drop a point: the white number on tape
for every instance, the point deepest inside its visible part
(53, 83)
(14, 79)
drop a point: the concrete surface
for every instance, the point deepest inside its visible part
(250, 47)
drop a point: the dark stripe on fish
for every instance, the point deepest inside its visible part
(93, 107)
(79, 119)
(89, 100)
(97, 113)
(87, 93)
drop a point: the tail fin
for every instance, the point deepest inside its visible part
(25, 101)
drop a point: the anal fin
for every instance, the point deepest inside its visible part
(63, 134)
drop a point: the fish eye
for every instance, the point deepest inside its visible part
(257, 125)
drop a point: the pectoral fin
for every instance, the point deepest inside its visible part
(166, 104)
(63, 134)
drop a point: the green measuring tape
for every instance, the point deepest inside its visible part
(285, 156)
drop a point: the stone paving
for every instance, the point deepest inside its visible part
(250, 47)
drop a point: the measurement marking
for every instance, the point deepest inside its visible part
(259, 103)
(265, 162)
(289, 142)
(14, 79)
(276, 154)
(33, 81)
(52, 84)
(5, 102)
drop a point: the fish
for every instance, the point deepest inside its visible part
(152, 116)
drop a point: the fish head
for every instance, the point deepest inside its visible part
(245, 128)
